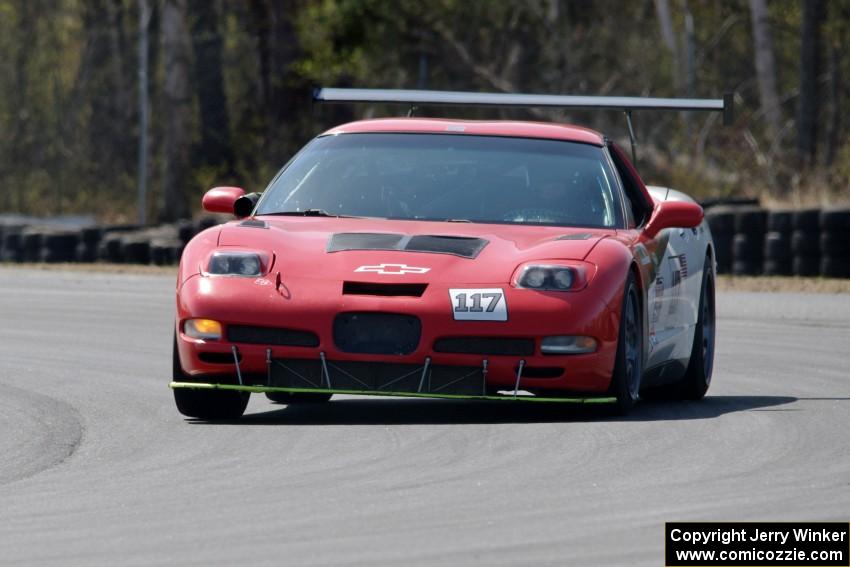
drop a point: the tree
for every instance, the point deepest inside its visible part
(810, 64)
(215, 147)
(176, 110)
(765, 66)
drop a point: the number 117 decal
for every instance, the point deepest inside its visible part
(479, 304)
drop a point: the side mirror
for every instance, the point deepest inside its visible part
(221, 199)
(673, 214)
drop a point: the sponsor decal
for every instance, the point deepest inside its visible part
(392, 269)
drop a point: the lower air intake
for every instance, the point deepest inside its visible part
(376, 333)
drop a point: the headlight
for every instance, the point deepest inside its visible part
(548, 278)
(245, 264)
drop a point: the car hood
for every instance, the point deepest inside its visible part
(345, 248)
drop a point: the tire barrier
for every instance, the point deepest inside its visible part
(59, 247)
(721, 221)
(777, 244)
(835, 242)
(805, 245)
(748, 244)
(12, 250)
(748, 240)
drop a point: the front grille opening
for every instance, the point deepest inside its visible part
(541, 371)
(377, 333)
(271, 336)
(384, 290)
(218, 357)
(508, 346)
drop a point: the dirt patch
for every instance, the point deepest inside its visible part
(769, 284)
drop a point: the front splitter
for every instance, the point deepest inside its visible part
(520, 397)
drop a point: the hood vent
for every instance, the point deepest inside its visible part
(384, 290)
(463, 246)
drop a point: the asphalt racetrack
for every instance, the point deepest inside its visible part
(97, 466)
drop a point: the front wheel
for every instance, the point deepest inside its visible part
(205, 404)
(628, 366)
(211, 404)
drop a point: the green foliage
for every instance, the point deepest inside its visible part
(69, 98)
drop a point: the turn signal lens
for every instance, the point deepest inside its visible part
(206, 329)
(568, 345)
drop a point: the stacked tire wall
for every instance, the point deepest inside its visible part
(750, 240)
(117, 244)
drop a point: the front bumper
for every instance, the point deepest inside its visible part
(312, 306)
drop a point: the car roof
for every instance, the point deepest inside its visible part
(506, 128)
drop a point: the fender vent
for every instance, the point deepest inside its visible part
(383, 290)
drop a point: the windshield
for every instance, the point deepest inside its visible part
(447, 177)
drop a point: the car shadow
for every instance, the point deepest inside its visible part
(401, 411)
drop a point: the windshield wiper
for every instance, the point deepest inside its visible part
(457, 220)
(310, 213)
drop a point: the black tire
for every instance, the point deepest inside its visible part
(31, 243)
(835, 218)
(298, 397)
(206, 404)
(805, 243)
(744, 268)
(628, 366)
(777, 267)
(721, 220)
(750, 220)
(806, 265)
(746, 252)
(806, 220)
(136, 251)
(59, 247)
(697, 377)
(777, 246)
(723, 252)
(831, 267)
(779, 221)
(835, 243)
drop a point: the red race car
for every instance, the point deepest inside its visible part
(449, 259)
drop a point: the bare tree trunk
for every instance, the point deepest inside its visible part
(807, 115)
(215, 146)
(176, 108)
(765, 66)
(833, 133)
(668, 36)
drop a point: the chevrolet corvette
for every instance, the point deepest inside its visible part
(439, 258)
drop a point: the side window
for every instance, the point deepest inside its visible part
(637, 210)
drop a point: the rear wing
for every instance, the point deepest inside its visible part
(625, 104)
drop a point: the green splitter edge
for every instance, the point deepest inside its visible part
(504, 398)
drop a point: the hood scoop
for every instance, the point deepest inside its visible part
(463, 246)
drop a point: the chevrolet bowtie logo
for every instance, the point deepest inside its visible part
(392, 269)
